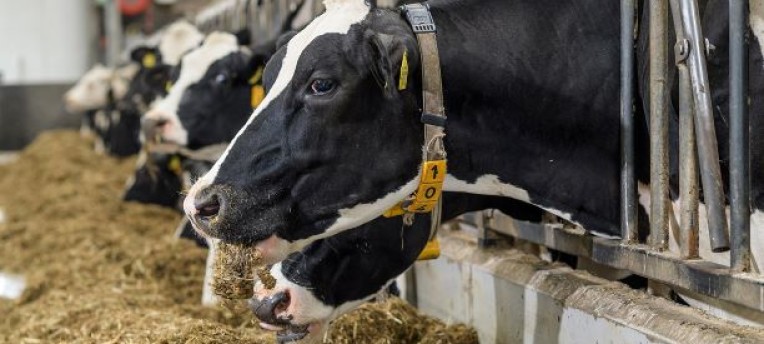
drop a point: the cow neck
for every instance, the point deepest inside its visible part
(427, 198)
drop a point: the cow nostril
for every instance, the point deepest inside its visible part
(272, 309)
(282, 305)
(208, 206)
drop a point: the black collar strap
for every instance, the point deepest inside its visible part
(427, 197)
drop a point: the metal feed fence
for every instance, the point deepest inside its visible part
(697, 148)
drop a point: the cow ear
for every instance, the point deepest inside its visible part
(243, 37)
(393, 58)
(284, 38)
(146, 56)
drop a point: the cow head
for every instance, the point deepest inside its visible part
(335, 275)
(212, 95)
(97, 87)
(157, 180)
(334, 143)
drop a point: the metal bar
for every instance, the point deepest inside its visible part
(113, 23)
(688, 164)
(628, 187)
(688, 171)
(713, 193)
(704, 277)
(740, 208)
(659, 177)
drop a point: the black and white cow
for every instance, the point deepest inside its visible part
(331, 148)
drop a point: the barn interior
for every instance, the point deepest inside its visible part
(98, 246)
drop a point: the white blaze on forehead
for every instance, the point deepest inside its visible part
(195, 65)
(179, 38)
(339, 17)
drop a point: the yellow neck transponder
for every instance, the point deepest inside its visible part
(426, 197)
(424, 200)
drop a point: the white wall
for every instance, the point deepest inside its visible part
(44, 41)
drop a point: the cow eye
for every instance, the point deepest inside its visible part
(321, 87)
(221, 79)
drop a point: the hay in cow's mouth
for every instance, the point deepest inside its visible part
(234, 271)
(100, 270)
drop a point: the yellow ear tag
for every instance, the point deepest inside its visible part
(257, 76)
(258, 94)
(404, 77)
(167, 86)
(149, 61)
(430, 251)
(174, 165)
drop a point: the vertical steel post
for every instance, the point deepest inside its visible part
(628, 187)
(659, 178)
(740, 208)
(688, 172)
(713, 193)
(113, 26)
(688, 162)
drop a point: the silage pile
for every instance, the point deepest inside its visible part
(103, 271)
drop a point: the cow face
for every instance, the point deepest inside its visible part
(97, 87)
(335, 275)
(211, 97)
(334, 144)
(157, 180)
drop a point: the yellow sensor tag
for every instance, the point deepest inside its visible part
(149, 61)
(430, 251)
(258, 94)
(404, 77)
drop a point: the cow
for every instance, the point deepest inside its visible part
(332, 148)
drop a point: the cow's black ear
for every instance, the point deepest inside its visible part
(243, 37)
(255, 67)
(146, 56)
(389, 54)
(284, 38)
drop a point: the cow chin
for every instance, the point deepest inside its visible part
(308, 316)
(275, 249)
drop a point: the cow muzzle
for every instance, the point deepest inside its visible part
(272, 313)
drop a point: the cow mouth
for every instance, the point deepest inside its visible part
(287, 333)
